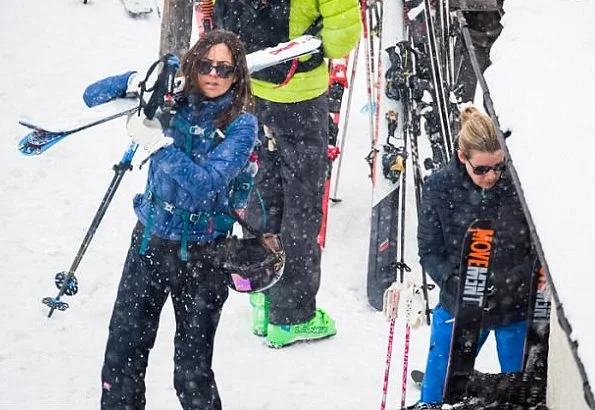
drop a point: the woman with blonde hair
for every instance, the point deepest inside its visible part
(474, 185)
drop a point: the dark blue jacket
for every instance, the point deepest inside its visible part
(450, 203)
(198, 183)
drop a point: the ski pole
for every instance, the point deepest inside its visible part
(369, 73)
(405, 365)
(66, 281)
(334, 198)
(389, 351)
(161, 98)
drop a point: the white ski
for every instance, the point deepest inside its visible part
(46, 133)
(138, 8)
(289, 50)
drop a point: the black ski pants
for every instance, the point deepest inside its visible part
(288, 200)
(198, 292)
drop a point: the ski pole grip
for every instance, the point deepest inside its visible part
(164, 86)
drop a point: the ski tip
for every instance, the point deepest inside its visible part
(37, 142)
(417, 376)
(26, 148)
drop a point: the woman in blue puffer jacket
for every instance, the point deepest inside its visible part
(181, 216)
(475, 185)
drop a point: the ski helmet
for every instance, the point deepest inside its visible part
(254, 264)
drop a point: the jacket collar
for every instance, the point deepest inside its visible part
(216, 105)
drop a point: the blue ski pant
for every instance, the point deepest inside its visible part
(510, 341)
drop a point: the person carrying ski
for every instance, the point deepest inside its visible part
(292, 105)
(475, 185)
(182, 217)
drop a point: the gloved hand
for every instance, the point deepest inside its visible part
(451, 285)
(147, 133)
(133, 85)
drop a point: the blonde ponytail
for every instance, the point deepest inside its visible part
(477, 132)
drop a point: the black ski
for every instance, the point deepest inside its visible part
(538, 330)
(476, 259)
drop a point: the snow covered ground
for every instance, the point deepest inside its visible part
(49, 52)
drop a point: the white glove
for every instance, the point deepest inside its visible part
(133, 85)
(147, 133)
(409, 296)
(414, 306)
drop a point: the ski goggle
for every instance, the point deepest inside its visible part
(484, 169)
(204, 67)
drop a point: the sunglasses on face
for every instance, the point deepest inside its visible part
(223, 70)
(484, 169)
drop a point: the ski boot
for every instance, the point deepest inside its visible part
(260, 313)
(319, 327)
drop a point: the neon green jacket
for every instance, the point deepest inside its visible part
(341, 30)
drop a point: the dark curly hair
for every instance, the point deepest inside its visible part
(241, 91)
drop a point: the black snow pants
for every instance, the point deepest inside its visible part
(288, 200)
(198, 292)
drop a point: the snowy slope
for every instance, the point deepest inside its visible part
(49, 52)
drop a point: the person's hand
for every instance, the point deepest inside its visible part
(451, 286)
(133, 85)
(147, 133)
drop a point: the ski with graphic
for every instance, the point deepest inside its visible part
(44, 136)
(388, 152)
(476, 266)
(535, 355)
(538, 317)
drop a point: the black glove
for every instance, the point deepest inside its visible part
(510, 289)
(451, 285)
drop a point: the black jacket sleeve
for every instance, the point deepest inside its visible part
(431, 247)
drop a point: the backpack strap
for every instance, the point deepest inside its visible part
(210, 221)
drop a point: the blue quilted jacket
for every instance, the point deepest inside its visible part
(197, 183)
(190, 179)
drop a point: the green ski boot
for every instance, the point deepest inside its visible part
(260, 313)
(319, 327)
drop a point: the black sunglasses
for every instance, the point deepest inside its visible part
(204, 67)
(484, 169)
